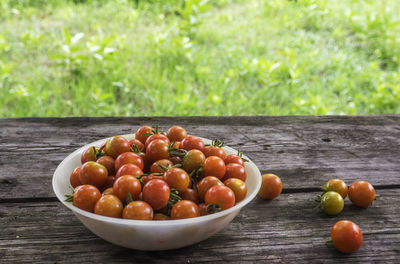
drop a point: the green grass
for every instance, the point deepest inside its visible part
(193, 57)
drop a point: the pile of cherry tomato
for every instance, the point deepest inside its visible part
(158, 176)
(346, 236)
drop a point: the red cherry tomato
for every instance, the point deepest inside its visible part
(346, 236)
(129, 169)
(192, 142)
(214, 166)
(143, 133)
(74, 177)
(109, 163)
(176, 133)
(86, 196)
(214, 151)
(152, 176)
(156, 193)
(191, 195)
(160, 216)
(156, 168)
(177, 179)
(232, 158)
(138, 210)
(238, 187)
(184, 209)
(157, 150)
(109, 182)
(109, 205)
(206, 183)
(129, 157)
(137, 143)
(126, 184)
(221, 196)
(362, 193)
(107, 191)
(234, 170)
(154, 137)
(271, 186)
(193, 160)
(116, 146)
(93, 173)
(89, 154)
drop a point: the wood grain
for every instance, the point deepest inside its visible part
(286, 229)
(304, 151)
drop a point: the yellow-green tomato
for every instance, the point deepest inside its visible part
(332, 203)
(338, 186)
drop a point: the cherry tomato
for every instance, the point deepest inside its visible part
(160, 216)
(234, 170)
(202, 209)
(221, 196)
(177, 179)
(332, 203)
(89, 154)
(232, 158)
(176, 160)
(271, 186)
(154, 137)
(338, 186)
(74, 177)
(192, 142)
(109, 182)
(238, 187)
(143, 133)
(176, 133)
(362, 193)
(116, 146)
(176, 144)
(155, 168)
(184, 209)
(107, 191)
(93, 173)
(206, 183)
(86, 196)
(193, 160)
(191, 195)
(138, 210)
(129, 169)
(109, 205)
(156, 193)
(127, 184)
(215, 151)
(157, 150)
(128, 157)
(214, 166)
(152, 176)
(346, 236)
(109, 163)
(137, 143)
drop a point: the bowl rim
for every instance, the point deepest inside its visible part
(131, 222)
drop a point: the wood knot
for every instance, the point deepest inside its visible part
(326, 140)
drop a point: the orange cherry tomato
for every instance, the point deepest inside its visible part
(205, 184)
(138, 210)
(362, 193)
(86, 196)
(214, 166)
(177, 178)
(143, 133)
(176, 133)
(108, 162)
(346, 236)
(338, 186)
(238, 187)
(74, 177)
(126, 184)
(129, 157)
(271, 186)
(93, 173)
(109, 205)
(116, 146)
(221, 196)
(234, 170)
(184, 209)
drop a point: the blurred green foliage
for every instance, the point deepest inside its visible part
(199, 57)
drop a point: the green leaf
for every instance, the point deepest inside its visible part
(129, 198)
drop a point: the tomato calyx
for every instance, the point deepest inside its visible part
(173, 199)
(213, 208)
(136, 150)
(98, 152)
(129, 198)
(240, 154)
(196, 176)
(165, 168)
(155, 131)
(217, 143)
(70, 197)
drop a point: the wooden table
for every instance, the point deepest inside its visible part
(304, 151)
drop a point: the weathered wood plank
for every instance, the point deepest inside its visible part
(304, 151)
(286, 229)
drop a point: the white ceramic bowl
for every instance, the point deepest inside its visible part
(151, 235)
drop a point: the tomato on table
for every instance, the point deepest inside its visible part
(361, 193)
(271, 186)
(346, 236)
(338, 186)
(332, 203)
